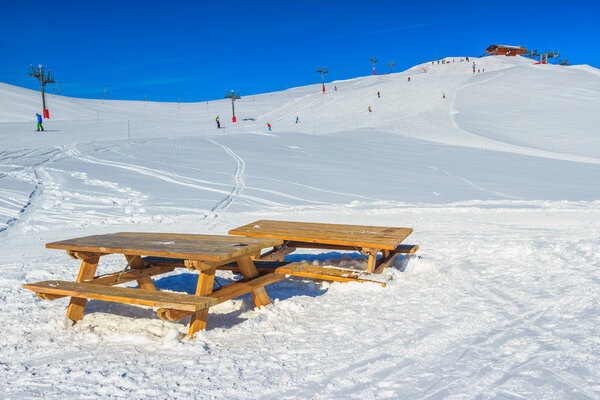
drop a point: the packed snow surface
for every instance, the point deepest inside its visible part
(497, 172)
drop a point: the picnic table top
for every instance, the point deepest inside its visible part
(214, 248)
(378, 237)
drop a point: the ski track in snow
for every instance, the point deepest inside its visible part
(47, 158)
(238, 178)
(161, 175)
(468, 182)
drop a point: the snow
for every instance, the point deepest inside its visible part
(500, 182)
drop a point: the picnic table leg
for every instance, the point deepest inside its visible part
(145, 283)
(87, 271)
(248, 270)
(371, 264)
(206, 280)
(387, 259)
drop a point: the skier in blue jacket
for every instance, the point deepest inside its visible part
(39, 123)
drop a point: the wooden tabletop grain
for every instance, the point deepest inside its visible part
(215, 248)
(378, 237)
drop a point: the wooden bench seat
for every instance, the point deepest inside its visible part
(151, 298)
(406, 249)
(307, 270)
(402, 249)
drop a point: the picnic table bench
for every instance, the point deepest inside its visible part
(368, 240)
(200, 253)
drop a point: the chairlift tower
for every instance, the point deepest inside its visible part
(323, 71)
(548, 54)
(552, 54)
(391, 64)
(373, 60)
(233, 96)
(44, 79)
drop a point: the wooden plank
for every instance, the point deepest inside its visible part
(350, 235)
(144, 282)
(195, 265)
(385, 262)
(227, 292)
(46, 296)
(277, 254)
(123, 295)
(237, 289)
(206, 279)
(313, 245)
(406, 248)
(324, 231)
(401, 248)
(83, 255)
(372, 261)
(113, 278)
(306, 270)
(130, 275)
(247, 269)
(86, 272)
(164, 261)
(216, 248)
(332, 274)
(134, 261)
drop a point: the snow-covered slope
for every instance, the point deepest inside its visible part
(500, 180)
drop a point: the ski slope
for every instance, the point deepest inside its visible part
(500, 181)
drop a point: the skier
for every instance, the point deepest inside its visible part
(370, 109)
(473, 67)
(467, 58)
(39, 122)
(335, 88)
(296, 119)
(269, 126)
(409, 78)
(378, 95)
(443, 95)
(218, 123)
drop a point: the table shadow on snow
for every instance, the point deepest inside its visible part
(288, 288)
(186, 283)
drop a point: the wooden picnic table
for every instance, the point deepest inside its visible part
(200, 253)
(368, 240)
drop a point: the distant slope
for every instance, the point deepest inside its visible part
(513, 106)
(545, 107)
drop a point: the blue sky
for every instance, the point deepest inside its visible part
(195, 50)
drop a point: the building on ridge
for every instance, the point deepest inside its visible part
(503, 50)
